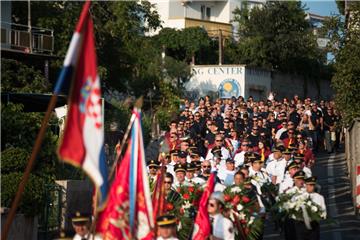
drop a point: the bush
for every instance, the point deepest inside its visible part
(33, 198)
(14, 160)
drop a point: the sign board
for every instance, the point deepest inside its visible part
(225, 81)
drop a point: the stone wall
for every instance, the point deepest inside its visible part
(287, 85)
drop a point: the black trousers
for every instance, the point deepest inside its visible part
(302, 233)
(289, 229)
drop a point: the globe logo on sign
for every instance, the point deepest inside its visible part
(229, 88)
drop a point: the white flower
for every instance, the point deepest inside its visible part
(236, 189)
(239, 207)
(314, 208)
(242, 216)
(309, 203)
(187, 205)
(251, 220)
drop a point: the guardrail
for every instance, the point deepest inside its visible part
(27, 39)
(352, 153)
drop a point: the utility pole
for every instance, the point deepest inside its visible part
(220, 48)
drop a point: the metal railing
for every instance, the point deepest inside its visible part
(27, 39)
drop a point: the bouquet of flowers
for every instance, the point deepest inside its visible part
(298, 205)
(242, 207)
(186, 209)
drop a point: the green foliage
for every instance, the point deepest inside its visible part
(346, 80)
(13, 160)
(275, 37)
(32, 198)
(169, 106)
(182, 44)
(18, 77)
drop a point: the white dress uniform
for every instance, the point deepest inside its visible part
(225, 154)
(319, 199)
(226, 176)
(176, 184)
(287, 183)
(307, 172)
(222, 228)
(239, 158)
(276, 168)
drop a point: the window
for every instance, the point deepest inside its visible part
(208, 13)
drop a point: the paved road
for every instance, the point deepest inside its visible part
(332, 173)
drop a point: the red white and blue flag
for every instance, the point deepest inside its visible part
(128, 213)
(83, 138)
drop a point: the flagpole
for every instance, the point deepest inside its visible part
(138, 104)
(25, 178)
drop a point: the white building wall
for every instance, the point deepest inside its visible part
(257, 83)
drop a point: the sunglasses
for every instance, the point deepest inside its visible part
(152, 167)
(211, 204)
(218, 140)
(226, 121)
(168, 182)
(206, 166)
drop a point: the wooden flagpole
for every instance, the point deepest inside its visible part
(25, 178)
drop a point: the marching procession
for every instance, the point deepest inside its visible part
(262, 153)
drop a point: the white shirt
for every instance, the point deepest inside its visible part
(224, 152)
(277, 168)
(279, 132)
(226, 176)
(307, 172)
(222, 227)
(319, 199)
(286, 183)
(239, 158)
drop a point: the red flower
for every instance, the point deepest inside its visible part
(186, 196)
(191, 189)
(236, 200)
(242, 221)
(247, 230)
(169, 206)
(178, 189)
(245, 199)
(227, 198)
(181, 211)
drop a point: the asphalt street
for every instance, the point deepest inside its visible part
(342, 223)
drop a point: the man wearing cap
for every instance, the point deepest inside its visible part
(288, 181)
(316, 197)
(153, 166)
(226, 173)
(190, 172)
(166, 227)
(240, 155)
(225, 154)
(180, 172)
(314, 233)
(182, 156)
(299, 180)
(276, 168)
(222, 228)
(299, 159)
(81, 224)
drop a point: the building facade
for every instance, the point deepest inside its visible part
(213, 16)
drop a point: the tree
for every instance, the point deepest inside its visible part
(276, 37)
(346, 80)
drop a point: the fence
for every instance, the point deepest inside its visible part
(352, 151)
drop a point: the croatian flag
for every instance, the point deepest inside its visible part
(128, 213)
(83, 138)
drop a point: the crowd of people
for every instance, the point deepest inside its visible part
(262, 152)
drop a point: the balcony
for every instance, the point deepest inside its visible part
(29, 40)
(211, 27)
